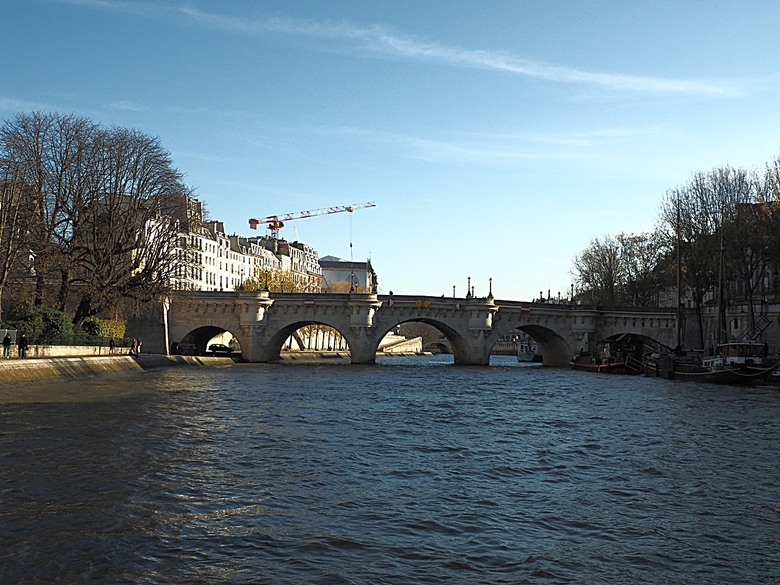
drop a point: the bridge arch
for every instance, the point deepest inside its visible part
(552, 346)
(275, 342)
(458, 343)
(198, 340)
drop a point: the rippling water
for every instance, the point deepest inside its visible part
(406, 472)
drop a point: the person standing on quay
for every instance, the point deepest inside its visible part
(111, 346)
(7, 346)
(22, 344)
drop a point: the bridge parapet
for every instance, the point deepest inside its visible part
(584, 320)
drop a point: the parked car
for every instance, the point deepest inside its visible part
(184, 349)
(220, 348)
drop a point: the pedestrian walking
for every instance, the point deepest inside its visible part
(111, 346)
(22, 346)
(7, 346)
(134, 348)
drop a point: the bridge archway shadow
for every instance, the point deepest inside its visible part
(200, 341)
(455, 342)
(553, 348)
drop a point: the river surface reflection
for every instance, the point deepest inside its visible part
(410, 471)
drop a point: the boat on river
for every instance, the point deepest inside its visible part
(619, 354)
(598, 363)
(740, 362)
(528, 352)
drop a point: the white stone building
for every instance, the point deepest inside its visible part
(358, 274)
(211, 260)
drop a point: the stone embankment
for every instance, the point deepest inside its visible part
(59, 364)
(60, 369)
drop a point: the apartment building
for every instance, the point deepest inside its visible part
(211, 260)
(360, 275)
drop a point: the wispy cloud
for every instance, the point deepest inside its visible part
(13, 105)
(129, 6)
(495, 149)
(126, 106)
(379, 40)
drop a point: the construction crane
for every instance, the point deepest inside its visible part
(275, 222)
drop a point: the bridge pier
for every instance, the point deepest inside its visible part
(362, 336)
(473, 349)
(362, 346)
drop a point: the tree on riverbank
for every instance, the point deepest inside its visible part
(344, 287)
(276, 280)
(620, 270)
(93, 231)
(725, 225)
(16, 223)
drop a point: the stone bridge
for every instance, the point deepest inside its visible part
(262, 321)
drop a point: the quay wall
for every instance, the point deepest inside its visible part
(60, 369)
(400, 345)
(52, 351)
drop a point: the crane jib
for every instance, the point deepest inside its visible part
(277, 221)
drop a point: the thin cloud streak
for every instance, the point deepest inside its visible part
(13, 104)
(495, 149)
(378, 40)
(127, 106)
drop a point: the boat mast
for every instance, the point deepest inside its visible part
(678, 317)
(719, 319)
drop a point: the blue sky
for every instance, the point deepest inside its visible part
(497, 138)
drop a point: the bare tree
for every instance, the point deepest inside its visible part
(641, 255)
(100, 231)
(689, 213)
(16, 223)
(714, 244)
(600, 271)
(125, 245)
(52, 150)
(744, 245)
(768, 197)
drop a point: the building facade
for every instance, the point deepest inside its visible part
(212, 260)
(360, 275)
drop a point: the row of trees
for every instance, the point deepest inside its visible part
(627, 269)
(84, 222)
(285, 281)
(725, 226)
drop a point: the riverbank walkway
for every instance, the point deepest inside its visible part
(60, 369)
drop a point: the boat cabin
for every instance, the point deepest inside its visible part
(737, 353)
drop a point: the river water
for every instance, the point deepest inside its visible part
(410, 471)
